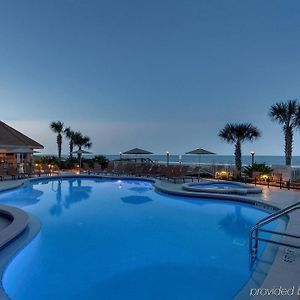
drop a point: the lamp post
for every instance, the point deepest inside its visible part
(252, 157)
(168, 157)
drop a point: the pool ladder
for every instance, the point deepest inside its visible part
(254, 237)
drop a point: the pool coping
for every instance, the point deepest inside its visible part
(196, 187)
(34, 224)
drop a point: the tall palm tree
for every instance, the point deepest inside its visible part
(58, 127)
(287, 115)
(69, 133)
(81, 142)
(237, 134)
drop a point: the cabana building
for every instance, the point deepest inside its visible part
(15, 147)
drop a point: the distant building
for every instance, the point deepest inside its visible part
(15, 147)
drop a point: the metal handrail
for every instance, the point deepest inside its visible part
(253, 234)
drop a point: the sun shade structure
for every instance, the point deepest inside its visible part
(199, 151)
(15, 147)
(137, 151)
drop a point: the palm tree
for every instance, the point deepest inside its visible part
(69, 133)
(287, 115)
(58, 127)
(237, 134)
(81, 142)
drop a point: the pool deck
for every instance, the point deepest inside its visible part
(284, 272)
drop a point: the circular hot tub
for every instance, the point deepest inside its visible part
(222, 187)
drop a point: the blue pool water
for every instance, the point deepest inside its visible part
(108, 239)
(222, 185)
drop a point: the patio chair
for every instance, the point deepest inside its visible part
(97, 168)
(165, 171)
(28, 170)
(129, 169)
(85, 168)
(154, 171)
(119, 170)
(12, 171)
(179, 172)
(46, 170)
(146, 169)
(194, 173)
(3, 173)
(110, 168)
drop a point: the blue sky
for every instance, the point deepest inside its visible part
(161, 75)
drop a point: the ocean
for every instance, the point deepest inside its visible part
(219, 159)
(207, 159)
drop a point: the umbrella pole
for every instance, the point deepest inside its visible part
(199, 159)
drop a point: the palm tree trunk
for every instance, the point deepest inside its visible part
(79, 154)
(288, 147)
(71, 146)
(59, 142)
(238, 158)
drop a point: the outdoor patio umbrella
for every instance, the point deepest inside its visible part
(80, 152)
(200, 152)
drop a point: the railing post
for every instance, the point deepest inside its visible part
(280, 183)
(288, 184)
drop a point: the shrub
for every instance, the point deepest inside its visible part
(261, 168)
(102, 160)
(47, 159)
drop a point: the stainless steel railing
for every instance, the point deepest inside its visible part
(254, 237)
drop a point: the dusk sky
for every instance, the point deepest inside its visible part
(160, 75)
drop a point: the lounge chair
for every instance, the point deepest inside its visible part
(110, 168)
(129, 169)
(46, 170)
(154, 171)
(165, 171)
(86, 168)
(119, 170)
(195, 173)
(97, 168)
(3, 173)
(12, 171)
(179, 172)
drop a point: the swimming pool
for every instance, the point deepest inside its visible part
(223, 187)
(120, 239)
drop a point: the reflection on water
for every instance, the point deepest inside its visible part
(26, 196)
(236, 225)
(76, 193)
(140, 189)
(136, 199)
